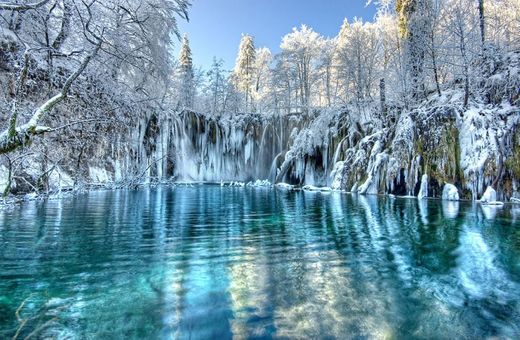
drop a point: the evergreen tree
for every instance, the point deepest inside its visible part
(243, 76)
(186, 75)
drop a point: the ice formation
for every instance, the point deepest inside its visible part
(450, 192)
(490, 195)
(405, 152)
(423, 192)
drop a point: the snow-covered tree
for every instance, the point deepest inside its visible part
(244, 73)
(301, 49)
(283, 86)
(216, 86)
(434, 41)
(356, 59)
(186, 75)
(390, 61)
(61, 41)
(502, 24)
(326, 72)
(263, 78)
(462, 32)
(413, 25)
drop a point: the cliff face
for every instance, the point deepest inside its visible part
(354, 148)
(472, 147)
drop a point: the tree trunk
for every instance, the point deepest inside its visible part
(382, 95)
(434, 64)
(466, 72)
(7, 188)
(466, 89)
(65, 25)
(482, 21)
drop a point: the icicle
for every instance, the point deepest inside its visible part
(423, 192)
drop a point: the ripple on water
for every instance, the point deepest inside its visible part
(211, 262)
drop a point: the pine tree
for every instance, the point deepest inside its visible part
(245, 70)
(186, 75)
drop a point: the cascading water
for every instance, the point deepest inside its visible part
(190, 147)
(194, 147)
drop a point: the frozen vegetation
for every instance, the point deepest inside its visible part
(422, 101)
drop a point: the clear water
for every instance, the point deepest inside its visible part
(212, 262)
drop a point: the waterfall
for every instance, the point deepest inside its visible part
(195, 147)
(338, 151)
(274, 167)
(192, 147)
(423, 191)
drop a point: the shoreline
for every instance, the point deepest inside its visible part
(63, 193)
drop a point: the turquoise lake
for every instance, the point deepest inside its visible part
(210, 262)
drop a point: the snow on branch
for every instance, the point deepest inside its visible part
(12, 138)
(7, 6)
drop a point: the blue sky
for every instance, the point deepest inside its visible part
(216, 26)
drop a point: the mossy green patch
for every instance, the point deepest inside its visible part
(513, 162)
(441, 155)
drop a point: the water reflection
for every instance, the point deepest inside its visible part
(212, 262)
(423, 210)
(490, 211)
(450, 209)
(515, 212)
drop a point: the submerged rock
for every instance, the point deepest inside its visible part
(284, 186)
(314, 188)
(450, 192)
(423, 192)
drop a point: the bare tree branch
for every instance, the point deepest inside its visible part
(9, 141)
(7, 6)
(19, 84)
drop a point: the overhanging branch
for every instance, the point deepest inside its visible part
(12, 139)
(21, 7)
